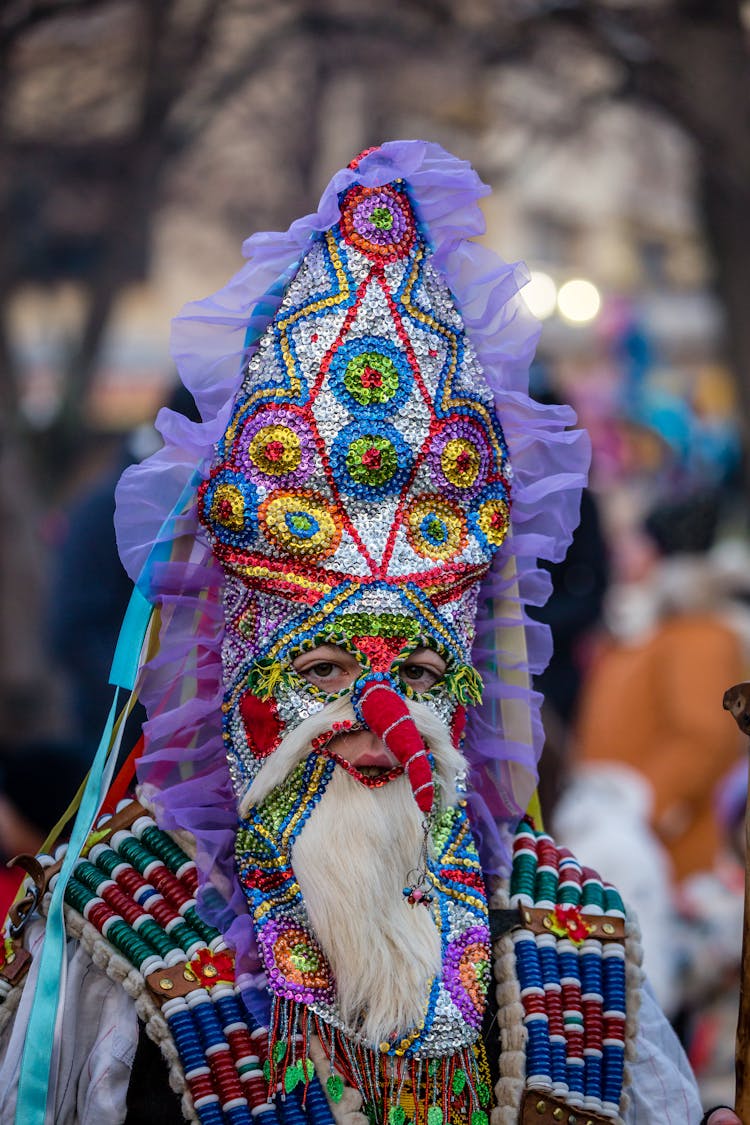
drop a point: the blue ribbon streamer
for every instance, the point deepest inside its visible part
(38, 1077)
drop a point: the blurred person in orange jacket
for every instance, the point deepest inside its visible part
(652, 700)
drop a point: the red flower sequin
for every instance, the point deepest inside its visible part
(567, 921)
(213, 968)
(372, 458)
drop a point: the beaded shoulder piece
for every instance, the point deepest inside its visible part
(131, 904)
(575, 958)
(568, 981)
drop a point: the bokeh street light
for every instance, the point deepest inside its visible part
(540, 295)
(579, 300)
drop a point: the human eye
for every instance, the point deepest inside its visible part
(323, 670)
(419, 677)
(328, 672)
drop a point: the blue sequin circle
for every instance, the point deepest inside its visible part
(370, 376)
(371, 460)
(228, 508)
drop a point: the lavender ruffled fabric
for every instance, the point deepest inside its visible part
(183, 767)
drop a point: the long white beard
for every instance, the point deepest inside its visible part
(351, 861)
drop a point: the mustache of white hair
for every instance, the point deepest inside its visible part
(450, 764)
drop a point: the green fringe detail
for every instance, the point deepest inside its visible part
(465, 684)
(264, 677)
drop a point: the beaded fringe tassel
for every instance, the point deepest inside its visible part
(436, 1091)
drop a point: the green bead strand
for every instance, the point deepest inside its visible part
(166, 850)
(108, 861)
(150, 931)
(593, 895)
(545, 889)
(90, 876)
(523, 875)
(569, 894)
(184, 936)
(129, 944)
(193, 918)
(131, 850)
(612, 901)
(119, 933)
(77, 896)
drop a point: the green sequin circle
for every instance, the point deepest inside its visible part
(381, 218)
(371, 378)
(371, 459)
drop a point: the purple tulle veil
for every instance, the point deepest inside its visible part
(183, 770)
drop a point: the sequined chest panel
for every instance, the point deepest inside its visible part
(296, 966)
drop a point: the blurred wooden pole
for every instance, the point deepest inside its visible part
(737, 701)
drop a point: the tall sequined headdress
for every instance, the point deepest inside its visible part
(363, 470)
(370, 470)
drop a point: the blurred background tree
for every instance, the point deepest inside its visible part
(140, 141)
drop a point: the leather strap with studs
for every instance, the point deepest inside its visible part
(539, 1108)
(603, 927)
(177, 980)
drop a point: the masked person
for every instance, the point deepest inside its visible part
(308, 908)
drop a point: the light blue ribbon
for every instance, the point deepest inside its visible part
(38, 1075)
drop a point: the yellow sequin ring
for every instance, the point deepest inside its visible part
(275, 450)
(460, 462)
(435, 528)
(228, 507)
(302, 523)
(493, 519)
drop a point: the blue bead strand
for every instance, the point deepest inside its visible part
(318, 1109)
(550, 967)
(292, 1112)
(210, 1029)
(210, 1113)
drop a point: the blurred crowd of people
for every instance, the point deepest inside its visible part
(652, 776)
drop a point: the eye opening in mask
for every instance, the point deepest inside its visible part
(331, 669)
(422, 668)
(327, 669)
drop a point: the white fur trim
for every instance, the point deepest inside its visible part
(348, 1110)
(634, 977)
(512, 1065)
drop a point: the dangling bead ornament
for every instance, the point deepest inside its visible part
(419, 878)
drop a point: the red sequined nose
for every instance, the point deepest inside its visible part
(387, 716)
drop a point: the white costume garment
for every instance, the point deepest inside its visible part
(100, 1034)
